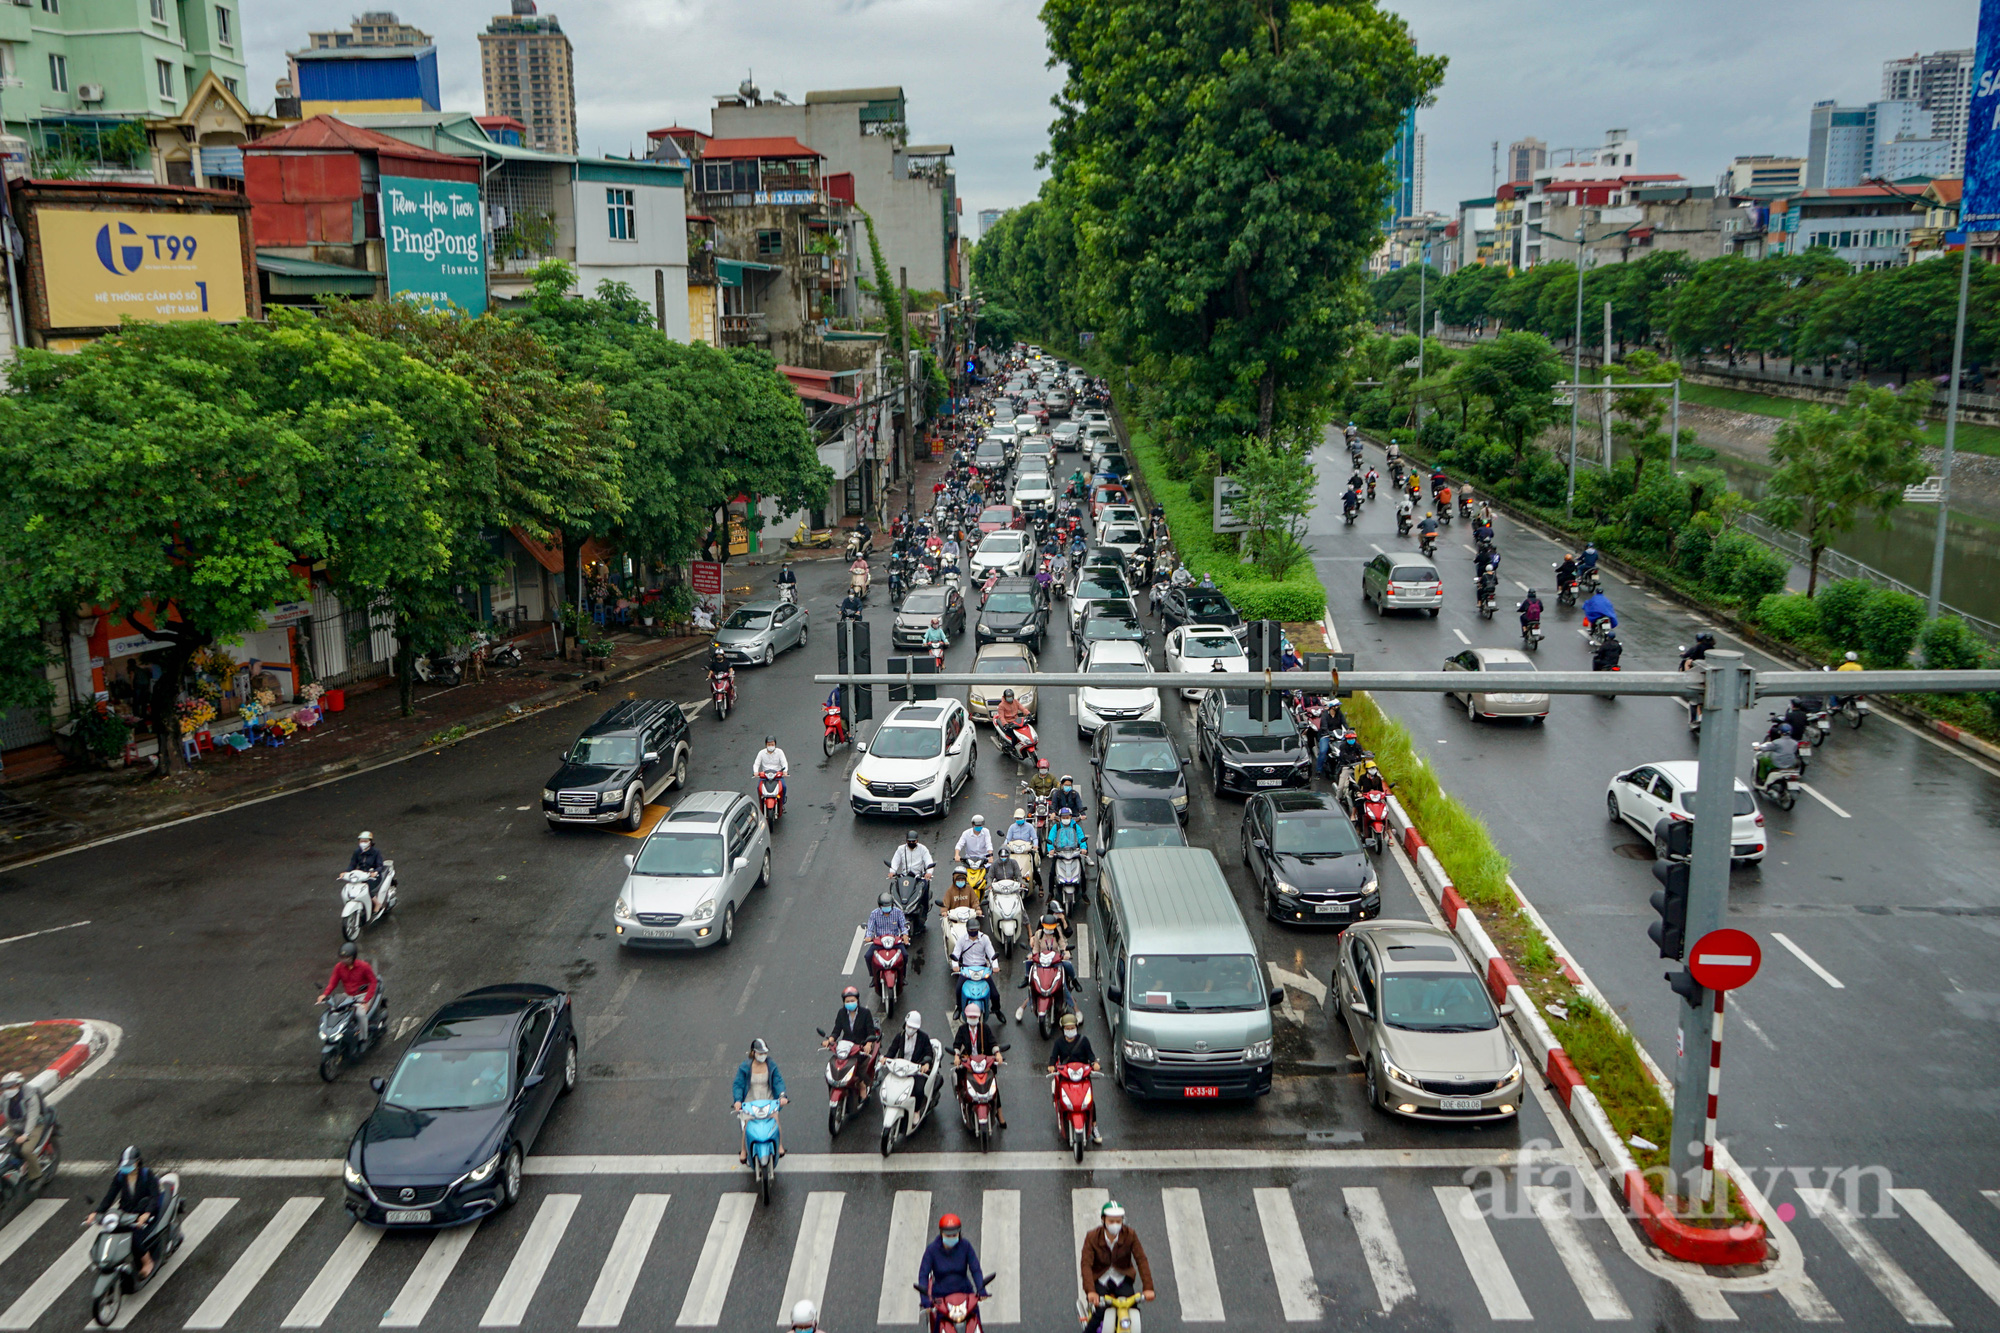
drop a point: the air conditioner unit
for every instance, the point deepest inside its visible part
(90, 92)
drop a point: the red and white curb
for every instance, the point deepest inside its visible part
(94, 1048)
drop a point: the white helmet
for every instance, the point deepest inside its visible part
(366, 836)
(913, 1020)
(805, 1315)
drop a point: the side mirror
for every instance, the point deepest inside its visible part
(652, 756)
(378, 1085)
(1115, 994)
(1006, 1045)
(1260, 844)
(1360, 1006)
(821, 1031)
(741, 862)
(1507, 1009)
(1277, 996)
(630, 860)
(861, 747)
(532, 1081)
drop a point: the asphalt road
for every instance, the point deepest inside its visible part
(1865, 1052)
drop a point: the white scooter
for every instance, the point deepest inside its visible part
(957, 922)
(1003, 909)
(357, 904)
(1021, 853)
(902, 1112)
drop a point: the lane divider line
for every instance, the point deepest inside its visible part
(1808, 960)
(1814, 793)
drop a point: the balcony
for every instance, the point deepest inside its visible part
(743, 330)
(701, 268)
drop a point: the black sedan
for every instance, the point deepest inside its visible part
(1015, 611)
(1199, 606)
(447, 1137)
(1138, 759)
(1307, 862)
(1138, 821)
(1246, 752)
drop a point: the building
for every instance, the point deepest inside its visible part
(202, 144)
(78, 77)
(1869, 226)
(1746, 175)
(1940, 83)
(1420, 238)
(1476, 232)
(529, 72)
(1403, 172)
(364, 79)
(1536, 220)
(1648, 217)
(1891, 140)
(1525, 157)
(910, 190)
(379, 28)
(989, 218)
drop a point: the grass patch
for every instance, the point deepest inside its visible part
(449, 736)
(1457, 836)
(1973, 437)
(1606, 1056)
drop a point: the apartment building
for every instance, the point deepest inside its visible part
(529, 73)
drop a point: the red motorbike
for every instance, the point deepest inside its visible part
(722, 693)
(1371, 817)
(957, 1313)
(1076, 1109)
(850, 1072)
(771, 795)
(1018, 741)
(937, 655)
(978, 1089)
(1050, 985)
(836, 729)
(887, 959)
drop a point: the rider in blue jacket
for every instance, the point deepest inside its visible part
(950, 1266)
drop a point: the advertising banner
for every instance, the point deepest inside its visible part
(1982, 126)
(100, 267)
(431, 235)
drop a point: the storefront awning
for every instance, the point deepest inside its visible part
(729, 272)
(549, 554)
(309, 277)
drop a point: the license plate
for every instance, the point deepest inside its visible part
(395, 1215)
(1269, 782)
(577, 809)
(1458, 1104)
(1806, 750)
(1332, 909)
(1201, 1092)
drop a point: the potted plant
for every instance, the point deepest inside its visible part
(103, 735)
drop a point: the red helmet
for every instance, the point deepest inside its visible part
(950, 1222)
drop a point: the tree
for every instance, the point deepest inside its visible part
(1639, 416)
(1278, 479)
(1466, 297)
(1516, 373)
(1716, 305)
(1836, 466)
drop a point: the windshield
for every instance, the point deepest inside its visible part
(1212, 645)
(1196, 981)
(1002, 515)
(1114, 627)
(1207, 604)
(1510, 666)
(1313, 835)
(1413, 574)
(907, 743)
(1092, 590)
(1436, 1002)
(1238, 716)
(928, 601)
(604, 751)
(1116, 668)
(1744, 805)
(1151, 837)
(1140, 757)
(1000, 666)
(747, 619)
(446, 1079)
(680, 854)
(1001, 543)
(1010, 603)
(1123, 536)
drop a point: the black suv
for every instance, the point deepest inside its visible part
(1138, 759)
(622, 760)
(1308, 864)
(1245, 754)
(1199, 606)
(1014, 611)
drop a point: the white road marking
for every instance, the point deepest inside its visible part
(854, 952)
(1874, 1262)
(1072, 703)
(1809, 1304)
(622, 1267)
(1083, 1206)
(1517, 583)
(1083, 954)
(251, 1266)
(427, 1279)
(1807, 959)
(1194, 1261)
(1814, 793)
(25, 1224)
(702, 1307)
(194, 1230)
(1481, 1253)
(1461, 634)
(1953, 1240)
(909, 1232)
(531, 1261)
(11, 939)
(1378, 1246)
(1000, 1252)
(1378, 549)
(812, 1255)
(334, 1277)
(1291, 1267)
(1469, 546)
(1600, 1297)
(749, 985)
(56, 1279)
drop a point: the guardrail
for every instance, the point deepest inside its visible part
(1832, 562)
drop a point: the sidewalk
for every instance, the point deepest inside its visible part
(74, 807)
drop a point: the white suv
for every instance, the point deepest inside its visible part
(916, 762)
(1120, 660)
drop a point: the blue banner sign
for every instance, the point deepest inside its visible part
(1982, 128)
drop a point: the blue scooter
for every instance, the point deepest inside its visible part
(760, 1130)
(975, 986)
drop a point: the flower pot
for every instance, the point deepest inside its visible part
(597, 663)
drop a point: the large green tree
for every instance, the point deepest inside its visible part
(1516, 374)
(1834, 467)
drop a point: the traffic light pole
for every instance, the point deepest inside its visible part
(1727, 693)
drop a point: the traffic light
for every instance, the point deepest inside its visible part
(1685, 986)
(915, 666)
(852, 657)
(1675, 841)
(1265, 645)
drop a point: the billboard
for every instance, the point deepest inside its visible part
(1982, 126)
(100, 267)
(433, 242)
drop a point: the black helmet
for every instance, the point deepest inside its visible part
(128, 1161)
(910, 836)
(1705, 639)
(770, 740)
(1007, 695)
(348, 950)
(885, 899)
(1531, 592)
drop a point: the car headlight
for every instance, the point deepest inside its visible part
(610, 797)
(1370, 884)
(1139, 1052)
(1513, 1073)
(703, 912)
(483, 1170)
(548, 794)
(1286, 888)
(985, 628)
(622, 910)
(1227, 762)
(353, 1176)
(1390, 1070)
(1258, 1050)
(864, 782)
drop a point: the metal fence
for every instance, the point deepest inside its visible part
(1835, 565)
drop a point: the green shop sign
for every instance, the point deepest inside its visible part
(436, 249)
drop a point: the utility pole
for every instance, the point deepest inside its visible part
(1575, 371)
(1674, 444)
(1423, 273)
(1604, 408)
(1494, 187)
(1951, 421)
(909, 417)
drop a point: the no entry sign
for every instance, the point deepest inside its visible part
(1725, 959)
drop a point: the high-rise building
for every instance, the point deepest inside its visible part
(988, 218)
(1404, 171)
(1893, 140)
(377, 28)
(1762, 172)
(1940, 83)
(1417, 177)
(529, 72)
(1525, 157)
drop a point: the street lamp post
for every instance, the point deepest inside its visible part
(1950, 421)
(1575, 373)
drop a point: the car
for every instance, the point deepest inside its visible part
(1058, 400)
(1003, 660)
(991, 455)
(1132, 700)
(1008, 550)
(1124, 538)
(934, 601)
(1645, 795)
(917, 761)
(1099, 557)
(1430, 1039)
(1204, 648)
(1067, 436)
(1118, 515)
(1139, 821)
(993, 518)
(1196, 605)
(1111, 622)
(1035, 449)
(684, 885)
(1094, 585)
(636, 751)
(1402, 582)
(1027, 422)
(1508, 703)
(1111, 465)
(1138, 759)
(1246, 753)
(1039, 410)
(1097, 416)
(1307, 861)
(455, 1120)
(1015, 610)
(1033, 491)
(1106, 494)
(759, 631)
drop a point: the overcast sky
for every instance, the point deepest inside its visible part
(1696, 81)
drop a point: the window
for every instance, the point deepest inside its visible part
(224, 35)
(51, 7)
(532, 1033)
(623, 216)
(58, 71)
(164, 70)
(770, 243)
(230, 84)
(159, 11)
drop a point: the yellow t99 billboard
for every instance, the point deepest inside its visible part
(101, 267)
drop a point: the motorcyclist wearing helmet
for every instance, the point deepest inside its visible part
(353, 976)
(853, 606)
(27, 1121)
(1852, 662)
(1702, 643)
(855, 1022)
(1566, 570)
(977, 1036)
(1066, 833)
(934, 637)
(1113, 1263)
(367, 857)
(950, 1266)
(136, 1190)
(1021, 830)
(805, 1317)
(1607, 654)
(1048, 934)
(887, 919)
(757, 1080)
(1370, 778)
(1007, 714)
(1588, 560)
(913, 858)
(975, 844)
(1780, 752)
(1072, 1047)
(1043, 784)
(719, 670)
(1530, 609)
(771, 760)
(1067, 797)
(912, 1043)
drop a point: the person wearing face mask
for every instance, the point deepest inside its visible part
(914, 1044)
(1072, 1047)
(855, 1022)
(367, 858)
(950, 1266)
(1113, 1263)
(1067, 797)
(757, 1080)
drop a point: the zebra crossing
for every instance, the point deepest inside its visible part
(699, 1252)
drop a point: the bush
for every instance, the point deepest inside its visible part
(1791, 616)
(1761, 573)
(1890, 623)
(1725, 557)
(1496, 460)
(1840, 606)
(1950, 645)
(1295, 599)
(1438, 433)
(1691, 548)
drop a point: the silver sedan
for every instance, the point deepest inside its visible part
(759, 631)
(1510, 696)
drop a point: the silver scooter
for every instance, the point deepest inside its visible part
(114, 1253)
(358, 905)
(903, 1111)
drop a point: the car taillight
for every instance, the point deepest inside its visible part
(1675, 814)
(1760, 821)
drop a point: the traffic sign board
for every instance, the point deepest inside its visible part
(1725, 959)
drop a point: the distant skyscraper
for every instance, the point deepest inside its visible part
(1403, 160)
(1417, 177)
(377, 28)
(1525, 157)
(988, 217)
(1940, 83)
(1847, 145)
(529, 73)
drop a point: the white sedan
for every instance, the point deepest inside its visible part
(1645, 795)
(1121, 698)
(1008, 550)
(1204, 648)
(1119, 516)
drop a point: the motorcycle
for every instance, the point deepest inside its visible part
(978, 1090)
(442, 669)
(1444, 516)
(849, 1075)
(887, 957)
(1428, 543)
(1021, 853)
(975, 986)
(1489, 598)
(499, 653)
(1588, 578)
(937, 655)
(788, 593)
(1070, 1087)
(1003, 909)
(1855, 709)
(1017, 742)
(1371, 488)
(1805, 747)
(1348, 513)
(853, 546)
(771, 795)
(1819, 720)
(357, 903)
(975, 874)
(1123, 1316)
(1777, 785)
(14, 1182)
(1038, 809)
(114, 1254)
(958, 1313)
(1049, 984)
(341, 1039)
(903, 1107)
(1594, 632)
(722, 693)
(1566, 592)
(857, 582)
(1402, 524)
(1465, 506)
(1371, 819)
(1066, 881)
(1595, 667)
(760, 1129)
(836, 729)
(1531, 635)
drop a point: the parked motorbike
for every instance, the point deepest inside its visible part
(341, 1039)
(904, 1103)
(441, 669)
(357, 903)
(771, 795)
(978, 1090)
(760, 1129)
(114, 1253)
(722, 693)
(1003, 909)
(849, 1076)
(499, 652)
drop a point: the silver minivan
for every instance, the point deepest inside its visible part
(1184, 994)
(694, 870)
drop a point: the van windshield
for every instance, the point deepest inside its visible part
(1165, 983)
